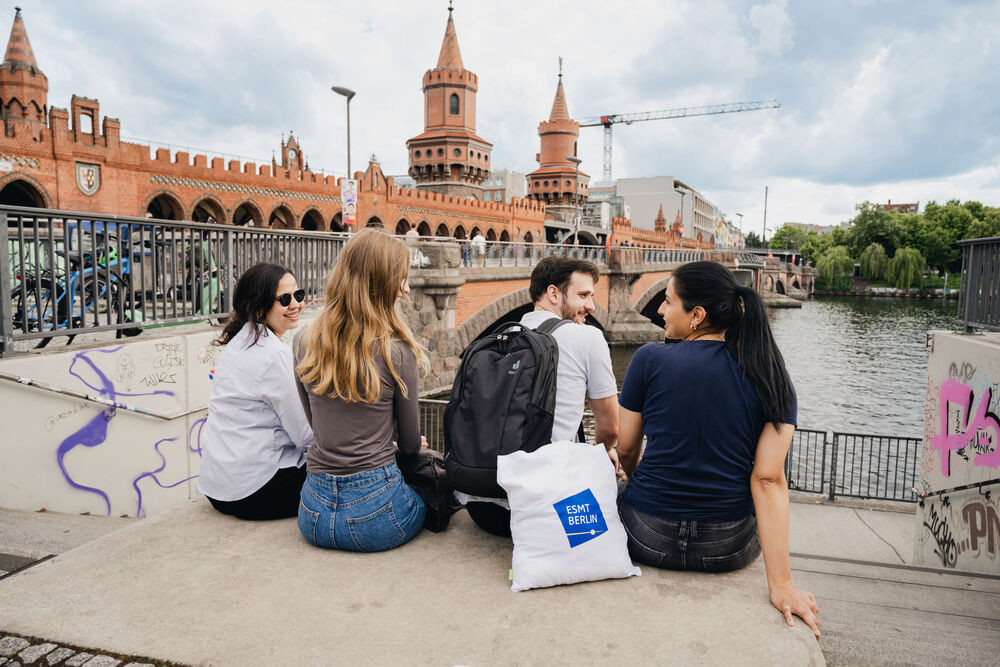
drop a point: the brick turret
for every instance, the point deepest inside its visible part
(449, 156)
(660, 224)
(555, 181)
(24, 89)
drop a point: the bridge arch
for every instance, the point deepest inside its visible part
(653, 294)
(505, 236)
(374, 221)
(491, 234)
(442, 231)
(312, 220)
(208, 209)
(247, 213)
(460, 232)
(20, 189)
(281, 217)
(402, 226)
(163, 205)
(337, 222)
(779, 286)
(423, 228)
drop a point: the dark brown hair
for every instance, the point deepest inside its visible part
(252, 299)
(558, 271)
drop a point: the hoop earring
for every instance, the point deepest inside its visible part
(694, 326)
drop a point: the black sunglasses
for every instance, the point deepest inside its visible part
(286, 298)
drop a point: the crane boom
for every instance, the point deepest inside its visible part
(685, 112)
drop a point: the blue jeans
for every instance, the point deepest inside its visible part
(368, 511)
(708, 546)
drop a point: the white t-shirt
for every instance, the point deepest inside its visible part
(256, 423)
(584, 371)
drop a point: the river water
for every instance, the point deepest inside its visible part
(858, 364)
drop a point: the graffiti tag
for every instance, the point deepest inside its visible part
(984, 526)
(946, 549)
(981, 430)
(964, 372)
(156, 379)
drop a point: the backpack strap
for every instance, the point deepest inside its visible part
(551, 324)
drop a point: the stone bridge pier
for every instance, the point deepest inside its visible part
(450, 305)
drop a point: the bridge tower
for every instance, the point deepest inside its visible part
(448, 156)
(555, 181)
(24, 89)
(660, 224)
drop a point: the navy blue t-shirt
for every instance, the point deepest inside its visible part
(702, 421)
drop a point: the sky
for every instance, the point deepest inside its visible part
(880, 100)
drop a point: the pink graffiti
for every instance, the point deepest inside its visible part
(954, 392)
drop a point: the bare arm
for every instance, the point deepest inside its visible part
(605, 420)
(629, 439)
(770, 498)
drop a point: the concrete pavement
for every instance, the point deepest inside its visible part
(195, 587)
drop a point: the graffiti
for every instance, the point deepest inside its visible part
(980, 430)
(126, 371)
(983, 526)
(95, 431)
(946, 548)
(51, 421)
(169, 356)
(156, 379)
(965, 372)
(140, 511)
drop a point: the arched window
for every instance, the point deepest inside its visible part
(454, 104)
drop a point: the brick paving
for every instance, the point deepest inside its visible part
(16, 651)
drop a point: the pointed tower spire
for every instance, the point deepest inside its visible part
(18, 47)
(559, 109)
(450, 55)
(660, 224)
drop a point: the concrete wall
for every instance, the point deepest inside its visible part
(958, 522)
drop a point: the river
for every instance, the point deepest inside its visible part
(858, 364)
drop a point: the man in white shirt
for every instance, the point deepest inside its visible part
(563, 287)
(479, 246)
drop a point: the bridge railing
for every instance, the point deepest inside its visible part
(514, 253)
(979, 297)
(67, 273)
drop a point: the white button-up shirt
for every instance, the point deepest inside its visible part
(256, 423)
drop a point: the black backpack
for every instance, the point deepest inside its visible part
(503, 401)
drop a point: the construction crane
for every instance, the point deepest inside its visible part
(628, 118)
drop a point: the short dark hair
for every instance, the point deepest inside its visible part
(253, 297)
(558, 271)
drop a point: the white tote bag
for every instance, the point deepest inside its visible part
(564, 516)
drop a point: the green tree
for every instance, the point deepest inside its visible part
(874, 262)
(753, 241)
(906, 267)
(834, 263)
(874, 225)
(788, 237)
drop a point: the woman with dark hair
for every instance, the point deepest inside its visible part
(718, 411)
(253, 446)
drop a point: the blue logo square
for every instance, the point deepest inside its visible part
(581, 517)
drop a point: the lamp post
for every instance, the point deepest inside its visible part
(742, 242)
(348, 93)
(682, 193)
(576, 198)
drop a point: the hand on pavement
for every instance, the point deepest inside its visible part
(791, 600)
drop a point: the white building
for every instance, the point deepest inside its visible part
(503, 184)
(642, 198)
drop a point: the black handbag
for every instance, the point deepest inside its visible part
(424, 473)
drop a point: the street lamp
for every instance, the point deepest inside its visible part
(348, 93)
(576, 198)
(682, 193)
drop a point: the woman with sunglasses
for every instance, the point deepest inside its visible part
(254, 444)
(357, 369)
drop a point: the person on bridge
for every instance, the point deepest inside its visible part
(356, 371)
(718, 410)
(478, 244)
(563, 287)
(253, 453)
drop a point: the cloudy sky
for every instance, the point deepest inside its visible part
(879, 99)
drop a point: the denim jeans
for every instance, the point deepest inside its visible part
(708, 546)
(368, 511)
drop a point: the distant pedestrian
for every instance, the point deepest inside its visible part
(412, 232)
(357, 379)
(479, 246)
(254, 443)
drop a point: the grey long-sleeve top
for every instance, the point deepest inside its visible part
(356, 437)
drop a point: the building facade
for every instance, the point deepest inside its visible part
(503, 185)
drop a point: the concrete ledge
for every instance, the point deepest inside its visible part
(193, 586)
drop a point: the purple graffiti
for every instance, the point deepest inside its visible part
(140, 512)
(95, 431)
(974, 430)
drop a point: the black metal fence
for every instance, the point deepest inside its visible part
(979, 297)
(850, 465)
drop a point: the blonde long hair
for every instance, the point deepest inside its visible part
(359, 317)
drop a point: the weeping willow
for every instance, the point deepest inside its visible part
(834, 263)
(906, 267)
(874, 262)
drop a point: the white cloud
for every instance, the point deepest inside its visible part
(774, 26)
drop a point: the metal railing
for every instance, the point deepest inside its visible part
(72, 272)
(850, 465)
(513, 253)
(979, 297)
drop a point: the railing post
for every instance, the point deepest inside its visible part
(227, 270)
(833, 468)
(6, 307)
